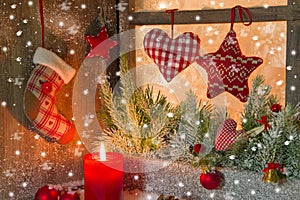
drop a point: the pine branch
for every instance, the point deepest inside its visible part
(258, 104)
(194, 125)
(138, 121)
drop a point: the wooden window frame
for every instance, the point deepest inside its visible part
(289, 13)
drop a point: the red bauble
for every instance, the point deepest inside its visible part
(70, 196)
(210, 180)
(198, 148)
(276, 107)
(45, 193)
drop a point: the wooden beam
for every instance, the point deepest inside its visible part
(259, 14)
(293, 63)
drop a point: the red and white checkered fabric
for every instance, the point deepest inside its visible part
(49, 121)
(226, 135)
(171, 55)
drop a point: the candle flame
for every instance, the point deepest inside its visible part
(102, 152)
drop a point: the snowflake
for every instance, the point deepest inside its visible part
(229, 195)
(78, 152)
(9, 173)
(121, 6)
(85, 134)
(88, 119)
(244, 33)
(86, 91)
(4, 49)
(73, 29)
(17, 81)
(261, 90)
(19, 33)
(65, 5)
(17, 135)
(269, 28)
(101, 79)
(46, 166)
(3, 103)
(13, 6)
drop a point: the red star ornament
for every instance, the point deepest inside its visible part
(228, 69)
(100, 44)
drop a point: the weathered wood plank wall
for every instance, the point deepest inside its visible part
(23, 169)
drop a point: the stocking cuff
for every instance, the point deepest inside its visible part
(47, 58)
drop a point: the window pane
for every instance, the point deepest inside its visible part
(265, 39)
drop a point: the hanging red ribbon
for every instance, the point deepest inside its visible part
(264, 121)
(273, 166)
(42, 22)
(172, 11)
(241, 10)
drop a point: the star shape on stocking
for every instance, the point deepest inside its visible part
(228, 69)
(100, 44)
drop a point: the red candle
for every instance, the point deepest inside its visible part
(103, 177)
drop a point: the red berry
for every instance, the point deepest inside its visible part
(276, 107)
(198, 148)
(210, 180)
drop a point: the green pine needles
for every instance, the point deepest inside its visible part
(142, 122)
(278, 143)
(137, 121)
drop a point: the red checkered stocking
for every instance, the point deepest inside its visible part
(45, 81)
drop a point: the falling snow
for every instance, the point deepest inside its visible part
(121, 6)
(9, 172)
(76, 29)
(88, 119)
(65, 5)
(46, 166)
(86, 134)
(78, 152)
(72, 30)
(18, 135)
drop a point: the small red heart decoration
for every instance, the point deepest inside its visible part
(226, 135)
(46, 103)
(50, 122)
(171, 55)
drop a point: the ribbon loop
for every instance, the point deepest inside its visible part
(241, 10)
(172, 11)
(273, 166)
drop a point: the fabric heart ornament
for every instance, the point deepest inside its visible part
(171, 55)
(226, 134)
